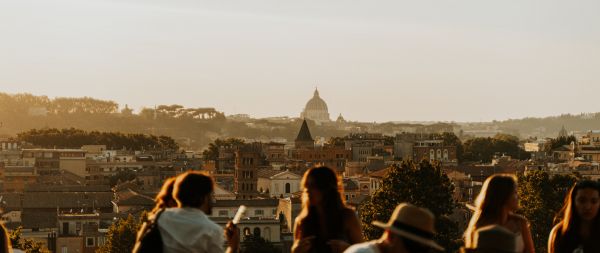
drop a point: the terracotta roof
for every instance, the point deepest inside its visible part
(137, 200)
(67, 188)
(11, 201)
(39, 219)
(350, 185)
(67, 200)
(380, 173)
(267, 173)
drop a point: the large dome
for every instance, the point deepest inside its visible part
(316, 109)
(316, 103)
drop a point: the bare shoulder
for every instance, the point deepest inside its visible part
(349, 214)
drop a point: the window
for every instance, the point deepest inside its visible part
(256, 232)
(65, 230)
(287, 188)
(101, 241)
(259, 212)
(89, 242)
(64, 249)
(223, 213)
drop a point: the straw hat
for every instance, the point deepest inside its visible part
(494, 238)
(414, 223)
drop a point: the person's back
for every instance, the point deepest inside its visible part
(189, 230)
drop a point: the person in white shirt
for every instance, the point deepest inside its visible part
(187, 228)
(409, 230)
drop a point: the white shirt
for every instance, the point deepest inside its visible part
(189, 230)
(365, 247)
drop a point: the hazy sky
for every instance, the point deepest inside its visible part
(371, 60)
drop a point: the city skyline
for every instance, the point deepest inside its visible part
(464, 61)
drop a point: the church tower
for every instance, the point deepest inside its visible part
(304, 139)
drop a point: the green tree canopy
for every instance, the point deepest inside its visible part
(541, 197)
(212, 153)
(121, 236)
(28, 245)
(422, 184)
(483, 149)
(559, 142)
(75, 138)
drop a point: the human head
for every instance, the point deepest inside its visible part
(410, 228)
(497, 193)
(581, 204)
(164, 198)
(194, 189)
(493, 239)
(320, 185)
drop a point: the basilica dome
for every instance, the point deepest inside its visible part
(316, 109)
(316, 103)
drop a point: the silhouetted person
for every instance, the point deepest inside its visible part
(4, 240)
(325, 224)
(492, 239)
(578, 228)
(409, 230)
(187, 228)
(495, 205)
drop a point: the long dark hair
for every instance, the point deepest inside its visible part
(495, 193)
(164, 198)
(324, 180)
(570, 222)
(4, 240)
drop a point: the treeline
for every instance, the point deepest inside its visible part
(542, 127)
(75, 138)
(483, 149)
(30, 104)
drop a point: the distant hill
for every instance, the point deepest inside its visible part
(541, 127)
(196, 127)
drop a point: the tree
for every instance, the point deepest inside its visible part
(121, 236)
(28, 245)
(75, 138)
(255, 243)
(336, 141)
(559, 142)
(212, 153)
(422, 184)
(484, 149)
(541, 197)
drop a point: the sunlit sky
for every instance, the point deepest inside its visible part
(371, 60)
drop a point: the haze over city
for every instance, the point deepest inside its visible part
(391, 61)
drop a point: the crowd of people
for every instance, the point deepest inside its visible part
(326, 224)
